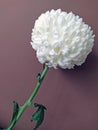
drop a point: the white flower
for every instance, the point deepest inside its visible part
(61, 39)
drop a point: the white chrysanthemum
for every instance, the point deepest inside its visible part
(61, 39)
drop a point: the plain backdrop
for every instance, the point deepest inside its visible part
(71, 96)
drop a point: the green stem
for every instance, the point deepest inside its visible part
(29, 100)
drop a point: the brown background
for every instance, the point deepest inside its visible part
(71, 96)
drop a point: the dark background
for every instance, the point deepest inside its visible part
(71, 96)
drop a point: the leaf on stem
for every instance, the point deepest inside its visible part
(38, 75)
(38, 116)
(15, 111)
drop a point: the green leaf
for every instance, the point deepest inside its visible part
(15, 110)
(38, 116)
(38, 75)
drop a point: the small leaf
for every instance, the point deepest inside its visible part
(38, 75)
(38, 116)
(15, 110)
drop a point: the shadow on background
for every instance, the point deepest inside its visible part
(86, 74)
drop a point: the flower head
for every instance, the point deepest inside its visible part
(61, 39)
